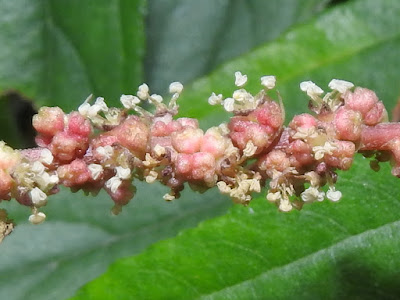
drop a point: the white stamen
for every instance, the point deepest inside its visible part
(113, 184)
(312, 90)
(214, 99)
(340, 85)
(95, 170)
(143, 91)
(37, 218)
(175, 87)
(38, 197)
(240, 79)
(123, 173)
(268, 81)
(129, 101)
(312, 194)
(229, 104)
(157, 98)
(333, 195)
(46, 156)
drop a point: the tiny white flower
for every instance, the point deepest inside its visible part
(113, 184)
(106, 151)
(312, 194)
(340, 85)
(176, 87)
(151, 177)
(95, 170)
(46, 156)
(100, 104)
(285, 205)
(312, 90)
(157, 98)
(143, 91)
(38, 167)
(320, 151)
(83, 109)
(240, 79)
(37, 218)
(38, 197)
(229, 104)
(250, 149)
(274, 196)
(242, 96)
(123, 173)
(129, 101)
(168, 197)
(46, 181)
(268, 81)
(255, 185)
(304, 133)
(159, 150)
(333, 195)
(214, 99)
(223, 187)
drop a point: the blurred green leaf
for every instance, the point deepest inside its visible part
(59, 52)
(326, 251)
(188, 39)
(261, 252)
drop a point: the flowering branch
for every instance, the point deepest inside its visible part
(98, 147)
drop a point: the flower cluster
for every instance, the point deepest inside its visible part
(98, 147)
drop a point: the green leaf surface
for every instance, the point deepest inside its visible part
(358, 42)
(59, 52)
(261, 252)
(81, 238)
(326, 251)
(188, 39)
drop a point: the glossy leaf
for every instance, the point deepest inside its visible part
(326, 251)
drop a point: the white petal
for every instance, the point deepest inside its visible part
(95, 170)
(38, 197)
(157, 98)
(46, 156)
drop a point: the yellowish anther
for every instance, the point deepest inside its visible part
(268, 82)
(168, 197)
(250, 149)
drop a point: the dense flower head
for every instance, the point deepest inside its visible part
(100, 147)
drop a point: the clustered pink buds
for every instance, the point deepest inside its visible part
(98, 147)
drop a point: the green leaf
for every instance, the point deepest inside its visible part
(80, 237)
(244, 251)
(59, 52)
(188, 39)
(357, 42)
(326, 251)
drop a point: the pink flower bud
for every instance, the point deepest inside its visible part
(6, 184)
(304, 121)
(361, 100)
(347, 124)
(74, 174)
(132, 134)
(342, 156)
(269, 114)
(78, 125)
(188, 140)
(49, 120)
(375, 115)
